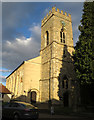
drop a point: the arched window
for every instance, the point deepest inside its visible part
(47, 37)
(65, 82)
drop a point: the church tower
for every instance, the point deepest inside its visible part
(57, 73)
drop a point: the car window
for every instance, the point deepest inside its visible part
(6, 105)
(14, 105)
(23, 105)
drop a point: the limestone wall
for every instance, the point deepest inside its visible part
(32, 76)
(14, 81)
(56, 59)
(25, 79)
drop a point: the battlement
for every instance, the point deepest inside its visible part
(57, 12)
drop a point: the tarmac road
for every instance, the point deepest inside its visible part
(45, 116)
(62, 117)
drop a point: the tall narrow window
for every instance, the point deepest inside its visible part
(47, 37)
(64, 53)
(63, 37)
(65, 82)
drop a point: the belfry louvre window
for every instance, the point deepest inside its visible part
(62, 37)
(47, 37)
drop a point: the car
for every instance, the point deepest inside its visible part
(16, 110)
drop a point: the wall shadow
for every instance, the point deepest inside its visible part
(68, 88)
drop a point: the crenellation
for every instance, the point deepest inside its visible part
(55, 11)
(42, 21)
(47, 15)
(65, 13)
(44, 18)
(50, 12)
(69, 15)
(61, 11)
(58, 10)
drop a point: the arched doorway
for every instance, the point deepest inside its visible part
(33, 97)
(66, 99)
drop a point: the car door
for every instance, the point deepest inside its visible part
(16, 108)
(7, 110)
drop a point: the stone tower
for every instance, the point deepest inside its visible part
(57, 73)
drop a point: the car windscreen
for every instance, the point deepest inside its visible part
(30, 107)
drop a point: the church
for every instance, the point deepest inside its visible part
(50, 76)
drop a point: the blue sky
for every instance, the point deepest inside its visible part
(21, 30)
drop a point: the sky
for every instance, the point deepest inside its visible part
(21, 30)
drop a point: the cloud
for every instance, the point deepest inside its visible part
(14, 16)
(5, 70)
(23, 41)
(22, 48)
(36, 29)
(2, 78)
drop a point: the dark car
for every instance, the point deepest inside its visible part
(19, 110)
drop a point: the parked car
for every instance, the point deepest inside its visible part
(19, 110)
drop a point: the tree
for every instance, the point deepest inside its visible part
(84, 51)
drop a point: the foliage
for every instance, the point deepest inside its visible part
(84, 49)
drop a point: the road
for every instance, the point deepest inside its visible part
(62, 117)
(45, 116)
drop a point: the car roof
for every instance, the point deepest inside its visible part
(23, 103)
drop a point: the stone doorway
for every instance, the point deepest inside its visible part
(66, 99)
(33, 97)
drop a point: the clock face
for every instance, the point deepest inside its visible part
(63, 23)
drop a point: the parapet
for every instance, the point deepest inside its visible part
(57, 12)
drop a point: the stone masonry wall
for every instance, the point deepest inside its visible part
(53, 62)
